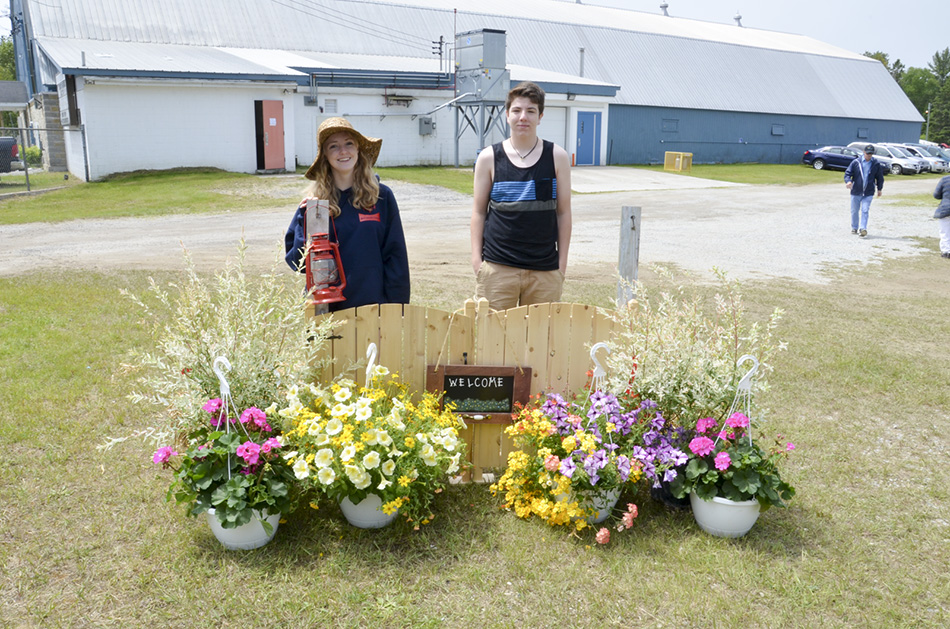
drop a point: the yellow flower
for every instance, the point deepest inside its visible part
(410, 442)
(404, 481)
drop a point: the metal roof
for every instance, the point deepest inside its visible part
(656, 60)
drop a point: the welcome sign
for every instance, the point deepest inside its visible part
(483, 393)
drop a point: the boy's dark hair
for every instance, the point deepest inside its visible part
(529, 90)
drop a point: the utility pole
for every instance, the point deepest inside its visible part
(927, 135)
(437, 47)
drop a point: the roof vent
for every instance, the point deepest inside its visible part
(738, 18)
(665, 6)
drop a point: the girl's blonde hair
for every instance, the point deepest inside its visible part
(365, 187)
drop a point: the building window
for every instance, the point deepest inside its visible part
(670, 125)
(862, 133)
(329, 106)
(778, 129)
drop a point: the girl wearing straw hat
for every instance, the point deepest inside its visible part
(364, 218)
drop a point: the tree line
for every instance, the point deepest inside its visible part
(927, 88)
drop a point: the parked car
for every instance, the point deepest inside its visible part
(830, 157)
(896, 162)
(937, 160)
(9, 155)
(923, 165)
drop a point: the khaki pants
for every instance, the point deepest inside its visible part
(507, 287)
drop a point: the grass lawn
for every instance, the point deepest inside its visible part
(862, 390)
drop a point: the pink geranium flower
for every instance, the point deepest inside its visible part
(256, 417)
(701, 446)
(790, 446)
(629, 515)
(704, 424)
(270, 444)
(552, 463)
(722, 461)
(163, 454)
(213, 405)
(250, 452)
(603, 536)
(737, 420)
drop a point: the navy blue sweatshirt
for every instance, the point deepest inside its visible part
(372, 249)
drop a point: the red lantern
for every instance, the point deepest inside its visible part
(325, 277)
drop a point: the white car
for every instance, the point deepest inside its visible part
(938, 162)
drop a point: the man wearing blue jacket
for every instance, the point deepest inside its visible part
(861, 177)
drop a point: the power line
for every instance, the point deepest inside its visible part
(349, 21)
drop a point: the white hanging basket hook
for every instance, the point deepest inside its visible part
(599, 374)
(221, 365)
(745, 383)
(370, 361)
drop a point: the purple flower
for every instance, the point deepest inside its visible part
(568, 467)
(623, 467)
(669, 475)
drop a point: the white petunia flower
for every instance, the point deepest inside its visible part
(301, 469)
(323, 458)
(379, 370)
(383, 484)
(358, 476)
(342, 395)
(454, 466)
(371, 437)
(322, 439)
(389, 467)
(348, 453)
(383, 438)
(341, 410)
(289, 455)
(362, 414)
(334, 426)
(371, 460)
(326, 475)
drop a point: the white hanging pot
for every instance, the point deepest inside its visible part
(367, 514)
(247, 536)
(602, 502)
(724, 518)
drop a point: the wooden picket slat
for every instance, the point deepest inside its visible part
(461, 339)
(537, 346)
(367, 331)
(414, 343)
(559, 346)
(582, 323)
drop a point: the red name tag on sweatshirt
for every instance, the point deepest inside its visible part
(369, 217)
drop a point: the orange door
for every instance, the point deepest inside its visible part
(271, 134)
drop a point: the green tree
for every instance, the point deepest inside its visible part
(940, 65)
(940, 116)
(896, 69)
(7, 61)
(921, 87)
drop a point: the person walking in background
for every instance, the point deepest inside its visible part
(861, 177)
(942, 214)
(364, 218)
(521, 215)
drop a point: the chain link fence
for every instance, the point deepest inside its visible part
(32, 158)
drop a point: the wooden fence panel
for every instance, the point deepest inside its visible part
(553, 339)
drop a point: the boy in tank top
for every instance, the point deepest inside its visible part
(521, 215)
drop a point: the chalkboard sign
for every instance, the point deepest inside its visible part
(481, 392)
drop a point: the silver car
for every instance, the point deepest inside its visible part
(937, 160)
(897, 162)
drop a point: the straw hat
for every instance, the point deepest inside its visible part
(369, 147)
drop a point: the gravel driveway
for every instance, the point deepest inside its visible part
(799, 232)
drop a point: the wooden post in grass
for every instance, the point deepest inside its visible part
(629, 253)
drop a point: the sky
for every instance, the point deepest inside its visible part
(911, 31)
